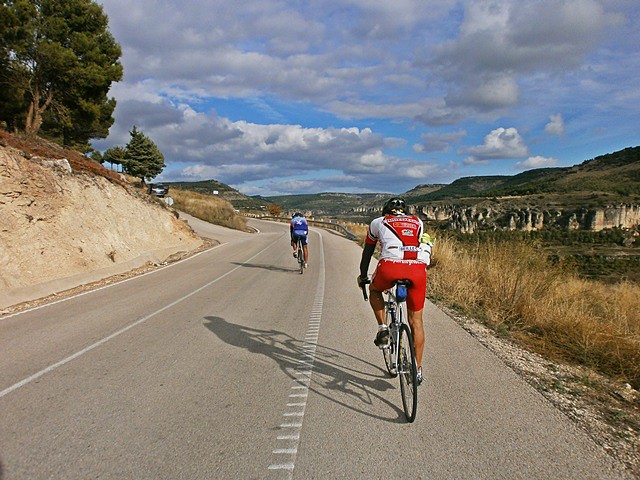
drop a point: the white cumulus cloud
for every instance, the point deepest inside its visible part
(537, 162)
(556, 125)
(500, 143)
(503, 41)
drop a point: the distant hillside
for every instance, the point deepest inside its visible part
(461, 188)
(617, 173)
(423, 189)
(330, 203)
(614, 177)
(213, 187)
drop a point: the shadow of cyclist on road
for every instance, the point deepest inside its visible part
(330, 373)
(271, 268)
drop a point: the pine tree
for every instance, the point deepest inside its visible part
(115, 156)
(60, 60)
(143, 159)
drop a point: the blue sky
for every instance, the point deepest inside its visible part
(285, 97)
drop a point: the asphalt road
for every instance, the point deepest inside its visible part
(231, 364)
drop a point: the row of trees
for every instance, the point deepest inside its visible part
(140, 158)
(57, 63)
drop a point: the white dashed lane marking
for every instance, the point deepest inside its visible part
(288, 437)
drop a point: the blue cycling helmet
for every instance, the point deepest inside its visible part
(297, 214)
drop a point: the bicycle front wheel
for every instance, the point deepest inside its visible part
(408, 371)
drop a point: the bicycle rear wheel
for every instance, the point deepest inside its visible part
(408, 371)
(301, 259)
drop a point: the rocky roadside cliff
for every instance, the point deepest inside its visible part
(472, 218)
(59, 225)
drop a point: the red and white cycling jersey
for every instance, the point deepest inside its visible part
(398, 236)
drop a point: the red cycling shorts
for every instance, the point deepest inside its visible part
(388, 271)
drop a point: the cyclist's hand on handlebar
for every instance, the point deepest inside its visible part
(362, 281)
(426, 238)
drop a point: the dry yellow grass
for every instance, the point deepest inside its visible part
(515, 289)
(358, 229)
(208, 208)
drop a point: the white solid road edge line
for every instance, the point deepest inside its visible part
(111, 284)
(121, 331)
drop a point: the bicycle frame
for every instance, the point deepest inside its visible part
(395, 315)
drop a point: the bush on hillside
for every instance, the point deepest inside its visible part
(208, 208)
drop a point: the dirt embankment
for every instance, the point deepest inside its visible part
(61, 227)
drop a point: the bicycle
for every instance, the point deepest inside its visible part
(399, 354)
(300, 256)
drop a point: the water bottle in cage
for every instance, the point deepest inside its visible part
(401, 293)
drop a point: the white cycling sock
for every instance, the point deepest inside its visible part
(382, 327)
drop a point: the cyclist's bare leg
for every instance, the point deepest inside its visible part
(417, 330)
(306, 253)
(294, 244)
(377, 304)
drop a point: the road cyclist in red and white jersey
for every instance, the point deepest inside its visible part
(405, 253)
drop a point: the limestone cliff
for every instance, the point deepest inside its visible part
(471, 218)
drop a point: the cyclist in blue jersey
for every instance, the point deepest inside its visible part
(299, 230)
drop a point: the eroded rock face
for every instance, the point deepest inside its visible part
(56, 223)
(470, 219)
(623, 216)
